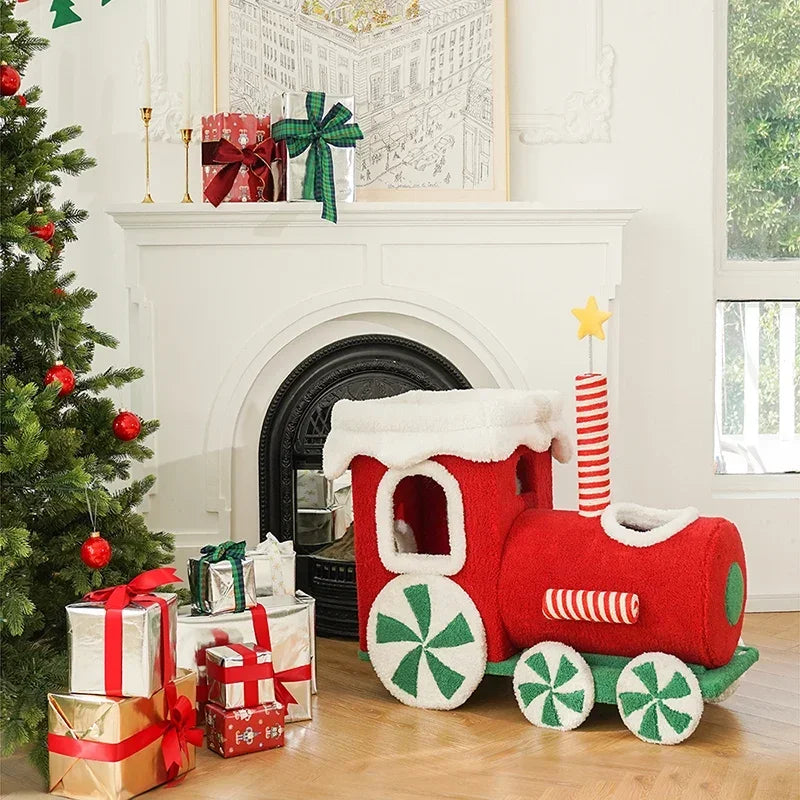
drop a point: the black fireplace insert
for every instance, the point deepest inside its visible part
(294, 430)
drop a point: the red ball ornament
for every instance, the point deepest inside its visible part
(9, 79)
(59, 292)
(44, 232)
(126, 426)
(95, 551)
(22, 100)
(58, 372)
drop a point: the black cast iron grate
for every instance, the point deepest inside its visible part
(293, 434)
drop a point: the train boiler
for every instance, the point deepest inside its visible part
(463, 568)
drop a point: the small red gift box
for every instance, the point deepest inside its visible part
(245, 730)
(239, 675)
(240, 162)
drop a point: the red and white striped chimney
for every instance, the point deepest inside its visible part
(594, 473)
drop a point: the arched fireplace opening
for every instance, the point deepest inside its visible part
(290, 449)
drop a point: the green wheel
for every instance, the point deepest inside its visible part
(554, 686)
(426, 641)
(659, 698)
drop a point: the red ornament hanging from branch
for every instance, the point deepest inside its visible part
(22, 100)
(126, 426)
(44, 232)
(64, 375)
(9, 80)
(95, 551)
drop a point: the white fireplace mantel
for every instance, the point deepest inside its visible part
(225, 302)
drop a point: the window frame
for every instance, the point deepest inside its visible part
(421, 563)
(740, 280)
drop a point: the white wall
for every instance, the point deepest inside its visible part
(660, 157)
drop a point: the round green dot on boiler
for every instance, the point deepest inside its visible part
(734, 593)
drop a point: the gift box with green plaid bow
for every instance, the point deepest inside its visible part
(317, 137)
(222, 579)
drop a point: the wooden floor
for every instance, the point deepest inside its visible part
(363, 744)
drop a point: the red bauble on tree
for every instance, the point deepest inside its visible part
(22, 100)
(126, 426)
(95, 551)
(44, 232)
(64, 375)
(9, 79)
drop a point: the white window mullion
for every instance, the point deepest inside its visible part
(786, 376)
(751, 371)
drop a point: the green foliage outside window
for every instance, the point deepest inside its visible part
(763, 129)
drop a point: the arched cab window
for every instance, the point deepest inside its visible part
(420, 521)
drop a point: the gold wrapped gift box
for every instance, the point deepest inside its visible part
(99, 720)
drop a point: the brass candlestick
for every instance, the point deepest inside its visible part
(147, 114)
(186, 136)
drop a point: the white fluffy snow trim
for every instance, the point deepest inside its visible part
(476, 424)
(639, 526)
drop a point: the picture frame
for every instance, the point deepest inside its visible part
(429, 79)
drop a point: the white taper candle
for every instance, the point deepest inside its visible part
(145, 96)
(187, 98)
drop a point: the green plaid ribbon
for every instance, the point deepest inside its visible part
(232, 552)
(317, 134)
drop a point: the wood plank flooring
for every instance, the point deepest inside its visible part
(363, 744)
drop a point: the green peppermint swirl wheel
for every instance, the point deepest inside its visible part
(554, 686)
(426, 641)
(659, 698)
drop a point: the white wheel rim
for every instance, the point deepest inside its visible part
(659, 698)
(554, 686)
(426, 641)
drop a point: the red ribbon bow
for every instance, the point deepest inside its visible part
(180, 731)
(256, 159)
(115, 599)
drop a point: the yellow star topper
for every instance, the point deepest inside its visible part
(592, 319)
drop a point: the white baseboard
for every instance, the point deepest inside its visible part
(773, 602)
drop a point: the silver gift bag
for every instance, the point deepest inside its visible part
(274, 566)
(141, 646)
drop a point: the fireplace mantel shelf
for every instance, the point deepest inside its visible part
(132, 216)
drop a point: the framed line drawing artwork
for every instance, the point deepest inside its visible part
(428, 78)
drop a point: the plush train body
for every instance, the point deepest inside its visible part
(688, 586)
(464, 568)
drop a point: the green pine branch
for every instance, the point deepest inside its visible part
(54, 451)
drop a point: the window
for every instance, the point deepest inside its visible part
(419, 516)
(757, 283)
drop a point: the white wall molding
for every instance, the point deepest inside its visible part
(584, 113)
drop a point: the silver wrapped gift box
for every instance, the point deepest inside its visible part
(274, 567)
(226, 687)
(215, 580)
(292, 105)
(290, 624)
(141, 646)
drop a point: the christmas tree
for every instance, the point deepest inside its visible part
(59, 455)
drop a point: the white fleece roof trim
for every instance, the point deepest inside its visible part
(483, 425)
